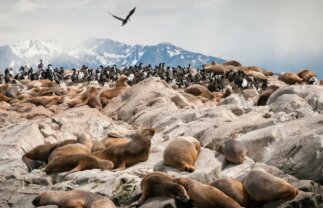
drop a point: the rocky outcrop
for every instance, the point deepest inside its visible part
(285, 138)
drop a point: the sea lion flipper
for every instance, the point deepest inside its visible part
(76, 169)
(139, 201)
(121, 167)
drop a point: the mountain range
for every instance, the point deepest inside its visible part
(94, 52)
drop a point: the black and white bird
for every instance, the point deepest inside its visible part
(124, 21)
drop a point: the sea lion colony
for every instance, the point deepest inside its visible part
(50, 88)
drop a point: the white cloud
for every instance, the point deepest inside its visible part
(284, 34)
(27, 6)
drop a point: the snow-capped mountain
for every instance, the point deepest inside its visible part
(94, 52)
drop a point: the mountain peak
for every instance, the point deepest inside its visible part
(98, 51)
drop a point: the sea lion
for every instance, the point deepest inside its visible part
(247, 69)
(306, 74)
(108, 94)
(97, 146)
(45, 101)
(83, 146)
(114, 141)
(232, 63)
(264, 96)
(73, 199)
(77, 162)
(206, 196)
(181, 153)
(201, 91)
(234, 189)
(160, 184)
(89, 98)
(264, 187)
(218, 69)
(4, 98)
(232, 150)
(290, 78)
(40, 154)
(130, 153)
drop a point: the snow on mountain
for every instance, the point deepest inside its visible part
(94, 52)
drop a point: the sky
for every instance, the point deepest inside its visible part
(280, 35)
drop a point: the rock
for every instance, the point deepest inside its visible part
(251, 94)
(302, 200)
(312, 94)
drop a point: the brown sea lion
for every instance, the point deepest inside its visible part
(201, 91)
(206, 196)
(4, 98)
(264, 96)
(160, 184)
(232, 150)
(264, 187)
(45, 101)
(83, 146)
(108, 94)
(234, 189)
(181, 153)
(97, 146)
(247, 69)
(89, 98)
(130, 153)
(40, 154)
(290, 78)
(77, 162)
(306, 74)
(114, 141)
(47, 83)
(72, 199)
(218, 69)
(232, 63)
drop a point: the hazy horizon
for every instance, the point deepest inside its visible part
(277, 35)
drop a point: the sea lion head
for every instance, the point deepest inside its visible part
(85, 139)
(148, 133)
(179, 193)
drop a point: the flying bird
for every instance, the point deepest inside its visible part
(124, 21)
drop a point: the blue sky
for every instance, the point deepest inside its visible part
(281, 35)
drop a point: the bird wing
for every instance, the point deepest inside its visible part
(119, 18)
(130, 13)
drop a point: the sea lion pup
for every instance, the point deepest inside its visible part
(75, 163)
(83, 146)
(290, 78)
(199, 90)
(264, 187)
(264, 96)
(160, 184)
(40, 154)
(73, 199)
(206, 196)
(182, 153)
(234, 189)
(89, 98)
(108, 94)
(130, 153)
(231, 63)
(232, 150)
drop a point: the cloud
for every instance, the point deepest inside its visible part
(27, 6)
(280, 35)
